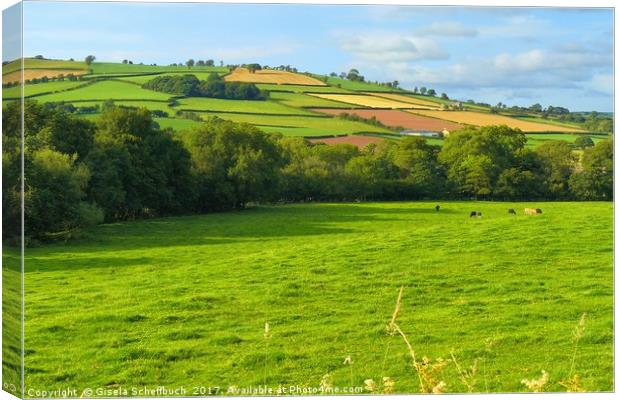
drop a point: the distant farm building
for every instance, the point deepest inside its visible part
(421, 133)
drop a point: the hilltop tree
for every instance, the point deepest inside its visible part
(209, 63)
(200, 63)
(89, 59)
(444, 96)
(423, 90)
(431, 92)
(189, 63)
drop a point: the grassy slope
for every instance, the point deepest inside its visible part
(184, 300)
(302, 88)
(38, 88)
(302, 126)
(33, 63)
(240, 106)
(359, 86)
(303, 100)
(106, 90)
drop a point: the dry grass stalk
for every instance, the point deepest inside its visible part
(468, 376)
(425, 370)
(537, 385)
(573, 385)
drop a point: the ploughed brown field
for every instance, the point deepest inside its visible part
(16, 76)
(359, 141)
(394, 118)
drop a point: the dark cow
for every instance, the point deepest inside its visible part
(473, 214)
(437, 207)
(538, 211)
(478, 214)
(512, 211)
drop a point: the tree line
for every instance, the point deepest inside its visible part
(123, 166)
(214, 86)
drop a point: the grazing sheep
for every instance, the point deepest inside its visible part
(532, 211)
(512, 211)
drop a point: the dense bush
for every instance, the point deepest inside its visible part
(79, 173)
(214, 86)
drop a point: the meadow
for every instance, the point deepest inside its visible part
(184, 300)
(105, 90)
(238, 106)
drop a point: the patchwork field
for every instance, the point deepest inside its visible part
(397, 118)
(481, 119)
(408, 99)
(301, 88)
(238, 106)
(364, 100)
(185, 299)
(305, 100)
(301, 125)
(271, 76)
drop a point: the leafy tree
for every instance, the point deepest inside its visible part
(189, 63)
(431, 92)
(559, 164)
(474, 158)
(584, 141)
(89, 59)
(444, 96)
(209, 63)
(595, 180)
(423, 90)
(234, 164)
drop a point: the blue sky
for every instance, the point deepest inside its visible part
(562, 57)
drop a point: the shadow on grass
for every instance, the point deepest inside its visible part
(252, 225)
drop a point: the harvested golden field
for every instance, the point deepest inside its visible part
(418, 103)
(363, 100)
(480, 119)
(271, 76)
(16, 76)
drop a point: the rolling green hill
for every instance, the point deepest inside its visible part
(122, 84)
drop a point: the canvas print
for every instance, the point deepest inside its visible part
(299, 199)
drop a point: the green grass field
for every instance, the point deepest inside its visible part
(117, 68)
(105, 90)
(184, 300)
(239, 106)
(303, 100)
(535, 139)
(34, 63)
(301, 126)
(15, 92)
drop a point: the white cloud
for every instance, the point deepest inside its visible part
(601, 83)
(448, 28)
(383, 47)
